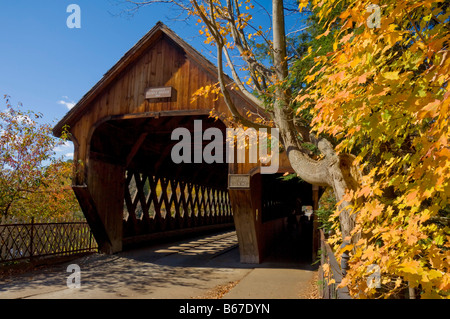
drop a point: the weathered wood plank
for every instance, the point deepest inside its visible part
(246, 227)
(106, 184)
(92, 217)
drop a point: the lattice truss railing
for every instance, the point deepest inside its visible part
(155, 204)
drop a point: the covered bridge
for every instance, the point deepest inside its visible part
(129, 187)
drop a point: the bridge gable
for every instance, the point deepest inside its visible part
(159, 59)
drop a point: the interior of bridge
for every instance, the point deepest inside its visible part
(160, 195)
(145, 145)
(287, 203)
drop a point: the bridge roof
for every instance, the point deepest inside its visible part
(154, 35)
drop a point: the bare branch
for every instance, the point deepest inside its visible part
(226, 94)
(244, 48)
(415, 27)
(239, 83)
(212, 27)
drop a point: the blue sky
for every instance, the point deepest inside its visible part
(48, 67)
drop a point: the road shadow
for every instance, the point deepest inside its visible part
(222, 251)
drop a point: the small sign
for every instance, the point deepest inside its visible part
(308, 210)
(238, 181)
(158, 93)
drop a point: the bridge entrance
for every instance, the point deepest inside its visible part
(162, 198)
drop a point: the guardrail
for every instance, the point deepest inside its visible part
(28, 240)
(329, 288)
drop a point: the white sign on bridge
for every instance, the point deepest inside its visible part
(158, 93)
(239, 181)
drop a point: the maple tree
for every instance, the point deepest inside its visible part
(383, 94)
(54, 198)
(33, 182)
(374, 103)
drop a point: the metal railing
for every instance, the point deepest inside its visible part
(330, 280)
(28, 240)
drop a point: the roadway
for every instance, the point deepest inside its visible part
(201, 267)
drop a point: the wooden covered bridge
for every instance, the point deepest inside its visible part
(128, 186)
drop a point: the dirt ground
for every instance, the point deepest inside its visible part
(312, 291)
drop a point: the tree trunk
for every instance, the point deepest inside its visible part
(333, 170)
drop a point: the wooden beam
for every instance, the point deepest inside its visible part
(135, 148)
(247, 229)
(106, 158)
(159, 114)
(92, 217)
(315, 232)
(106, 184)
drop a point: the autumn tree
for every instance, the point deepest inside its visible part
(375, 105)
(382, 93)
(33, 182)
(54, 198)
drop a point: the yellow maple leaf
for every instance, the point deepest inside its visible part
(445, 282)
(365, 191)
(376, 211)
(323, 34)
(345, 281)
(412, 267)
(431, 109)
(391, 75)
(411, 196)
(326, 269)
(302, 4)
(346, 37)
(433, 274)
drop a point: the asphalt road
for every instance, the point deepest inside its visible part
(192, 268)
